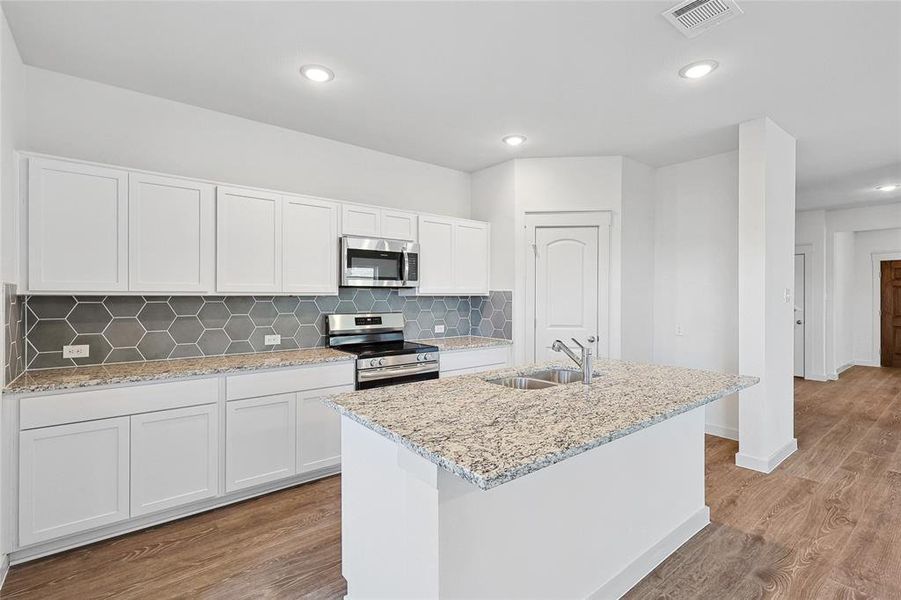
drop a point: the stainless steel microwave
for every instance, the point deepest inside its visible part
(377, 262)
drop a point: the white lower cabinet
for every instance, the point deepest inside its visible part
(72, 478)
(318, 430)
(174, 458)
(260, 438)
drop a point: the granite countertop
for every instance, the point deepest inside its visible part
(79, 377)
(465, 342)
(488, 434)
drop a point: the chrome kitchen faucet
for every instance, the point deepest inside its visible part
(584, 363)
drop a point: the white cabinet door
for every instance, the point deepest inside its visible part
(361, 220)
(436, 255)
(170, 234)
(398, 225)
(77, 227)
(248, 241)
(260, 436)
(72, 478)
(310, 242)
(471, 257)
(174, 458)
(318, 430)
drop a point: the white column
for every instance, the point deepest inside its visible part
(766, 237)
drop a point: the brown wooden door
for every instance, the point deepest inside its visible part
(891, 313)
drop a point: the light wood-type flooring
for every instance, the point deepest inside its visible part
(825, 525)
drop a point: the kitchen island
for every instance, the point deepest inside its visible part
(463, 488)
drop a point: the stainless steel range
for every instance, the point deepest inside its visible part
(383, 356)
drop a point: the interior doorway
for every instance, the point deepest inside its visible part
(800, 316)
(567, 281)
(890, 310)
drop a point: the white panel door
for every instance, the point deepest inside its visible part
(566, 287)
(310, 242)
(398, 225)
(170, 234)
(361, 220)
(260, 437)
(799, 315)
(77, 227)
(318, 430)
(174, 458)
(72, 478)
(472, 258)
(248, 241)
(436, 255)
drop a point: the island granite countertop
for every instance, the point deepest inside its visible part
(488, 434)
(45, 380)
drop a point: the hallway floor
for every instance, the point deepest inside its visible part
(826, 524)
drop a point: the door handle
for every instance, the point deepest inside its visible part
(799, 322)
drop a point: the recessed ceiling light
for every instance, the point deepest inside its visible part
(317, 73)
(888, 187)
(698, 69)
(514, 140)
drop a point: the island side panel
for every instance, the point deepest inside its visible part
(590, 526)
(389, 518)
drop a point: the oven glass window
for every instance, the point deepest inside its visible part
(375, 264)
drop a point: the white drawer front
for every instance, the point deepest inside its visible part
(73, 407)
(254, 385)
(468, 359)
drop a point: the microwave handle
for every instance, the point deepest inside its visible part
(406, 256)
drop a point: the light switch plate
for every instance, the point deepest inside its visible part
(79, 351)
(439, 328)
(272, 340)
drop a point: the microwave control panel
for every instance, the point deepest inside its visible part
(413, 267)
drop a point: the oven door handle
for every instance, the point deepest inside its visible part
(387, 372)
(406, 257)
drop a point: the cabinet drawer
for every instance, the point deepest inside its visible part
(72, 407)
(254, 385)
(467, 359)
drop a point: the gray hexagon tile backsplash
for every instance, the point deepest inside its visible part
(136, 328)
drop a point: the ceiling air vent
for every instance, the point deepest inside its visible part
(694, 17)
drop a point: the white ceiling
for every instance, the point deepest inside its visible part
(442, 82)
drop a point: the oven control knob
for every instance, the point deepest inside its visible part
(381, 361)
(419, 357)
(426, 357)
(373, 362)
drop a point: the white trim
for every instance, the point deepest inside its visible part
(807, 251)
(730, 433)
(817, 377)
(619, 584)
(766, 465)
(595, 218)
(844, 368)
(866, 363)
(4, 569)
(876, 300)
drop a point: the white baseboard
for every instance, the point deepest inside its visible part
(4, 569)
(844, 368)
(625, 580)
(817, 377)
(730, 433)
(766, 465)
(867, 363)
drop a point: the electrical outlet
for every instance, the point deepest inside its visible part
(439, 328)
(272, 340)
(80, 351)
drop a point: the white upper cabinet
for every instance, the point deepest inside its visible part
(310, 242)
(471, 257)
(399, 225)
(170, 235)
(455, 256)
(365, 221)
(77, 227)
(371, 221)
(248, 241)
(436, 255)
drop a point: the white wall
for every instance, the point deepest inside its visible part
(494, 200)
(696, 273)
(865, 296)
(12, 120)
(76, 118)
(843, 281)
(639, 214)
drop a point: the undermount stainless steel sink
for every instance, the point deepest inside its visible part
(557, 375)
(522, 383)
